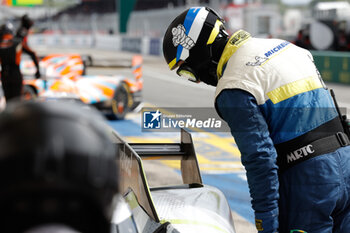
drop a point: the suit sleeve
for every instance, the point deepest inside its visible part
(258, 154)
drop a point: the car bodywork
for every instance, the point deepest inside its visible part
(63, 77)
(188, 207)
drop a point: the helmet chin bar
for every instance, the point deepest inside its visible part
(204, 71)
(207, 73)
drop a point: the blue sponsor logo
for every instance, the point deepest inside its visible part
(152, 119)
(277, 48)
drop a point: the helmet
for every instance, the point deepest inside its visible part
(6, 31)
(57, 165)
(7, 28)
(189, 43)
(6, 35)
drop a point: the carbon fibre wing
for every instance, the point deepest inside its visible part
(132, 172)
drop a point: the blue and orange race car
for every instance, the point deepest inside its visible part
(63, 78)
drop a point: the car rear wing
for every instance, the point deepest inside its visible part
(133, 175)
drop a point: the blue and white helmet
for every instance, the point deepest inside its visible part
(189, 34)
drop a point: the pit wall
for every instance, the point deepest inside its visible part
(141, 45)
(333, 66)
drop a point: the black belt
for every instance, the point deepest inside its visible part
(318, 147)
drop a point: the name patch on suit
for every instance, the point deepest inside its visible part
(277, 48)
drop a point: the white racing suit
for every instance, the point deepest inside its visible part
(279, 111)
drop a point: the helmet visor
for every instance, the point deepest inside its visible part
(186, 72)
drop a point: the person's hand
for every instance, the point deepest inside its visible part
(37, 74)
(267, 222)
(26, 22)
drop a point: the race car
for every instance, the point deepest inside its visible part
(188, 207)
(63, 78)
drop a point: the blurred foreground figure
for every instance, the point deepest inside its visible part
(58, 170)
(26, 24)
(283, 118)
(11, 46)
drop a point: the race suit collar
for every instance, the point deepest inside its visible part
(235, 41)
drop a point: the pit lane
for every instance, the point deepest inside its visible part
(217, 153)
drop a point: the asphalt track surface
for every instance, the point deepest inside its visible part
(218, 156)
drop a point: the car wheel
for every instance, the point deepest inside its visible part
(29, 92)
(121, 102)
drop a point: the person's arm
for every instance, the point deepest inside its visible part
(32, 55)
(258, 154)
(22, 34)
